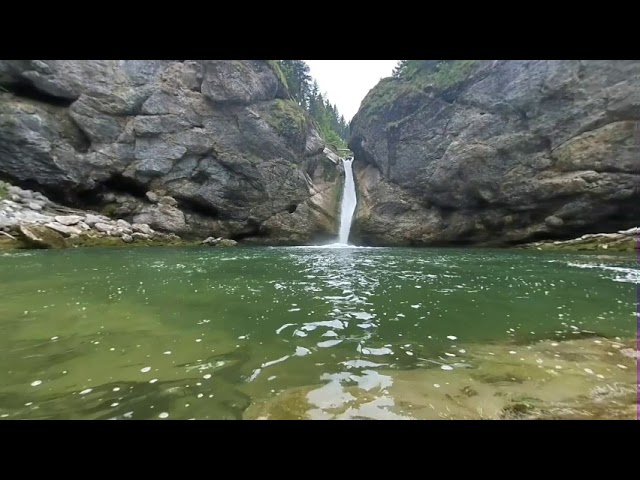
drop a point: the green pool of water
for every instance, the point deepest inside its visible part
(211, 333)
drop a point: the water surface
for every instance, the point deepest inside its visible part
(212, 333)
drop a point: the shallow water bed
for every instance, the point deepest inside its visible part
(205, 333)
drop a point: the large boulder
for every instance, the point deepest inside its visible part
(498, 152)
(39, 236)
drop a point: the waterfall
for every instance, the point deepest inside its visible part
(348, 202)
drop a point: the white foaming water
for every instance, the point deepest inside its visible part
(348, 203)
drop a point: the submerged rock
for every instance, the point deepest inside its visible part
(546, 380)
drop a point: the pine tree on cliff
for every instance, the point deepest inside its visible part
(306, 92)
(298, 79)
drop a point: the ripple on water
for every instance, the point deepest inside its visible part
(298, 315)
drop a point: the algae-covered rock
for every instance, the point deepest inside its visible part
(39, 236)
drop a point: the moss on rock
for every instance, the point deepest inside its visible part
(39, 236)
(289, 120)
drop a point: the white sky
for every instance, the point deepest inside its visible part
(347, 82)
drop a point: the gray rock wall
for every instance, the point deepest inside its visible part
(519, 151)
(220, 137)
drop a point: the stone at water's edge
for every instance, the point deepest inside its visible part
(623, 241)
(38, 236)
(512, 151)
(226, 242)
(211, 241)
(21, 227)
(189, 147)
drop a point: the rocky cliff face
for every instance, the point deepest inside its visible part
(198, 148)
(515, 151)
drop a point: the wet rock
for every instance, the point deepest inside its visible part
(127, 238)
(38, 236)
(226, 242)
(140, 236)
(35, 206)
(84, 226)
(64, 229)
(15, 198)
(469, 392)
(517, 411)
(153, 197)
(68, 219)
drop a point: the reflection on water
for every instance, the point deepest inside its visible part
(316, 333)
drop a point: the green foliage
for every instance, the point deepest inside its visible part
(275, 66)
(306, 93)
(296, 73)
(385, 93)
(411, 78)
(451, 73)
(288, 119)
(441, 74)
(3, 191)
